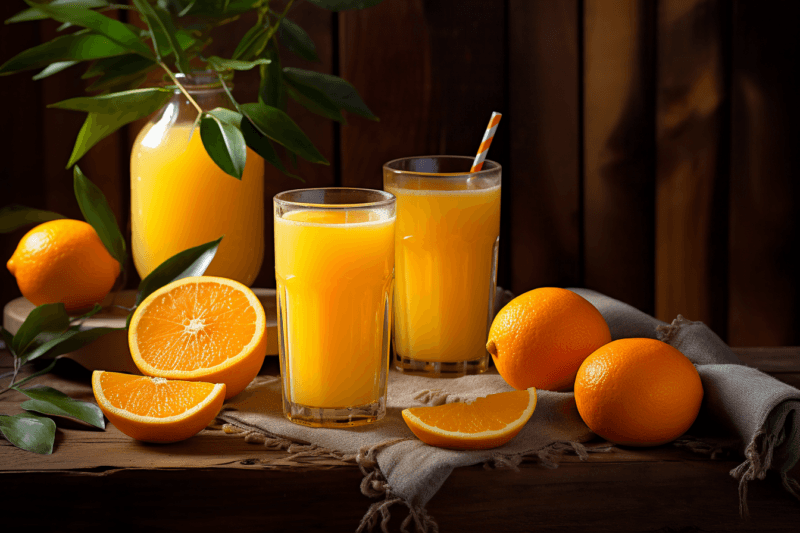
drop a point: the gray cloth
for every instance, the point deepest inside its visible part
(760, 411)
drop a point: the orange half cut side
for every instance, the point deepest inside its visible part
(487, 422)
(200, 329)
(156, 409)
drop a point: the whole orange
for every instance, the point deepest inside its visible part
(63, 261)
(540, 338)
(638, 392)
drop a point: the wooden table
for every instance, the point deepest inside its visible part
(99, 479)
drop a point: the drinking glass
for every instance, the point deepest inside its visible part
(446, 245)
(334, 267)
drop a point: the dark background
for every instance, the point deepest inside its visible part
(650, 148)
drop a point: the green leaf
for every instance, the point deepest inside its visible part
(277, 125)
(261, 145)
(30, 432)
(67, 342)
(111, 28)
(217, 8)
(115, 71)
(81, 46)
(339, 91)
(49, 401)
(272, 91)
(191, 262)
(98, 213)
(109, 112)
(297, 40)
(220, 65)
(46, 318)
(7, 338)
(314, 100)
(226, 115)
(13, 217)
(342, 5)
(54, 68)
(32, 13)
(252, 43)
(224, 143)
(159, 20)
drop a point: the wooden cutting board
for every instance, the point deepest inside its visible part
(110, 352)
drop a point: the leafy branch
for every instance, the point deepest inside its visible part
(121, 55)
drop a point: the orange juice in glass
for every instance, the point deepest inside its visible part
(446, 246)
(180, 198)
(334, 267)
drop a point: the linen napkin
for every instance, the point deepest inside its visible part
(762, 413)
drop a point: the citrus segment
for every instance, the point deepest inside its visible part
(540, 338)
(200, 329)
(487, 422)
(156, 409)
(638, 392)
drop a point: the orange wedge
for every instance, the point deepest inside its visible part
(484, 423)
(156, 409)
(200, 329)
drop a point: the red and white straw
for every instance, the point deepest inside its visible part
(486, 142)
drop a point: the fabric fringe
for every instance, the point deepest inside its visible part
(666, 333)
(714, 450)
(758, 459)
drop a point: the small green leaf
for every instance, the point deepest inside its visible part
(35, 14)
(67, 342)
(98, 213)
(225, 144)
(252, 43)
(109, 112)
(342, 5)
(191, 262)
(261, 145)
(314, 100)
(30, 432)
(46, 318)
(49, 401)
(272, 91)
(220, 64)
(226, 115)
(159, 20)
(79, 46)
(54, 68)
(339, 91)
(13, 217)
(112, 29)
(277, 125)
(297, 40)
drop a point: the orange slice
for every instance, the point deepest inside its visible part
(484, 423)
(156, 409)
(200, 329)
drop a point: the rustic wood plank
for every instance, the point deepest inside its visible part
(544, 102)
(691, 193)
(619, 150)
(765, 194)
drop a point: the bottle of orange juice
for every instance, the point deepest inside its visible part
(180, 198)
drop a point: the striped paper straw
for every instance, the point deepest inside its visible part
(486, 142)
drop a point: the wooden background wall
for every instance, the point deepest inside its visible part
(650, 148)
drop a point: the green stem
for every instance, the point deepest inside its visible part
(181, 87)
(274, 29)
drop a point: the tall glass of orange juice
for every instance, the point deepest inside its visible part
(334, 267)
(180, 198)
(446, 245)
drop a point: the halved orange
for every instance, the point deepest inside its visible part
(484, 423)
(156, 409)
(200, 329)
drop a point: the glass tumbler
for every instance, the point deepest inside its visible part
(446, 245)
(334, 267)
